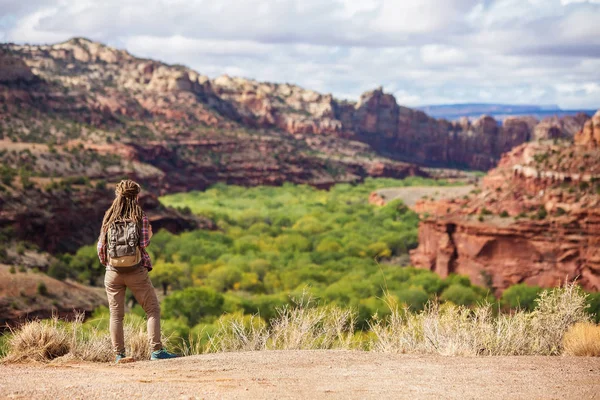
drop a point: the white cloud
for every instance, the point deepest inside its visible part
(442, 55)
(566, 2)
(423, 51)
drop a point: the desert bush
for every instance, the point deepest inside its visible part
(7, 175)
(58, 270)
(460, 295)
(193, 304)
(25, 176)
(38, 341)
(593, 306)
(42, 290)
(302, 326)
(520, 296)
(449, 329)
(46, 340)
(583, 339)
(21, 247)
(237, 332)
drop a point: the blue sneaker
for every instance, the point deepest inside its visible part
(162, 354)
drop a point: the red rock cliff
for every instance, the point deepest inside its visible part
(535, 221)
(102, 86)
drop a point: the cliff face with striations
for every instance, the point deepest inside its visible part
(536, 220)
(108, 88)
(395, 131)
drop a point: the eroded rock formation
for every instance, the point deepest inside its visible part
(535, 220)
(589, 136)
(100, 85)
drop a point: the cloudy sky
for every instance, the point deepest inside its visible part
(422, 51)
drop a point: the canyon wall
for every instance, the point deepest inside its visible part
(536, 220)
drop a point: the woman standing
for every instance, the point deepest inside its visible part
(124, 236)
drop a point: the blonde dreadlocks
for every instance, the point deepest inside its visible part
(125, 205)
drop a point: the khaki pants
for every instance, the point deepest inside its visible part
(140, 285)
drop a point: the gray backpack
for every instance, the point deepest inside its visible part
(123, 238)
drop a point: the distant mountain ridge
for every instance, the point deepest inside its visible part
(499, 111)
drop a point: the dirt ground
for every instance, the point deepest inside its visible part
(310, 375)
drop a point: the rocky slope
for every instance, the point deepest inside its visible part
(535, 220)
(393, 130)
(122, 96)
(21, 299)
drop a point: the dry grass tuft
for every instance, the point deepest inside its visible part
(301, 327)
(456, 330)
(306, 328)
(583, 339)
(89, 343)
(39, 341)
(53, 340)
(136, 340)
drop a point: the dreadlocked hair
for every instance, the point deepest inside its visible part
(125, 205)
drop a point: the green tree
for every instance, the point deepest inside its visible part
(379, 250)
(26, 179)
(166, 274)
(7, 174)
(593, 302)
(460, 295)
(520, 296)
(193, 304)
(224, 278)
(58, 270)
(414, 297)
(86, 265)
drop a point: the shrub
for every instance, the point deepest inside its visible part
(101, 185)
(42, 289)
(520, 296)
(7, 175)
(58, 270)
(39, 341)
(593, 306)
(300, 327)
(460, 295)
(12, 269)
(541, 213)
(21, 247)
(457, 330)
(193, 304)
(583, 339)
(25, 179)
(415, 298)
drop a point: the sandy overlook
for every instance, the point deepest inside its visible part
(310, 374)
